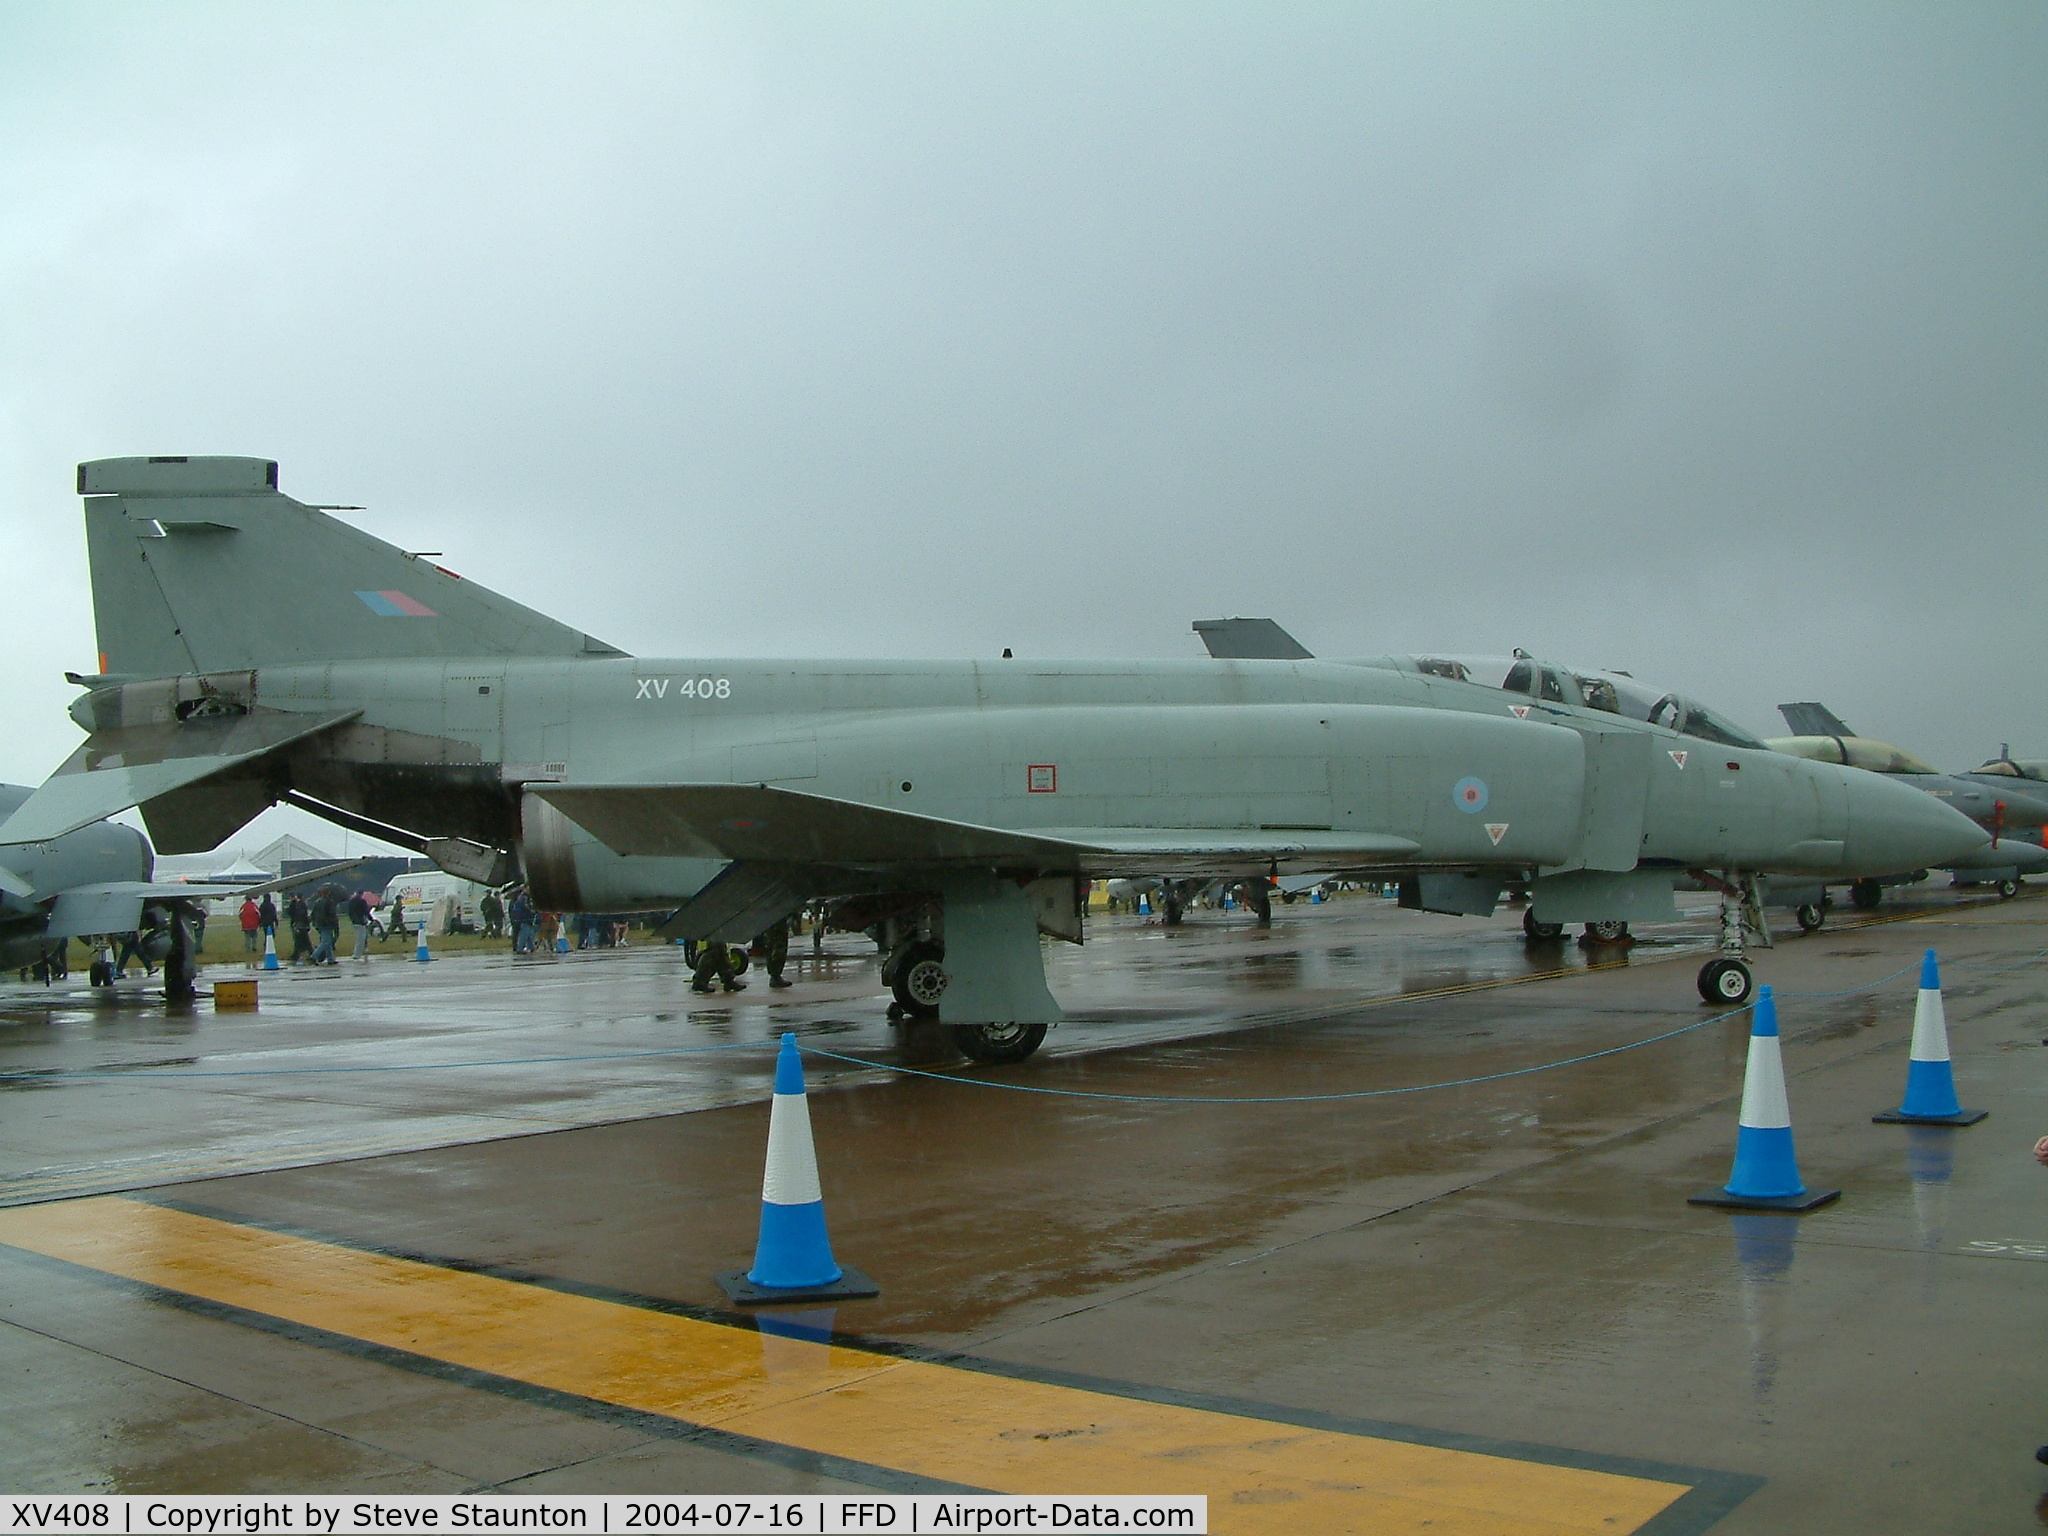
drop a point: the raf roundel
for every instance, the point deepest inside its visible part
(1469, 795)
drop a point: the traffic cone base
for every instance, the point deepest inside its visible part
(1900, 1117)
(742, 1292)
(1930, 1078)
(1795, 1203)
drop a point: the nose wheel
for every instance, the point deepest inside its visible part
(1726, 982)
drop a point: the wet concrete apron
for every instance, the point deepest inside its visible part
(1506, 1264)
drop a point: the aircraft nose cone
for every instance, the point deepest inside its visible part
(1894, 827)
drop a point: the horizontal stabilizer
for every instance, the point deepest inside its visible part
(1250, 640)
(769, 825)
(115, 907)
(1812, 720)
(129, 765)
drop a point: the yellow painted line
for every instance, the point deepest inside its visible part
(935, 1421)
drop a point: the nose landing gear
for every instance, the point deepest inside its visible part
(1726, 979)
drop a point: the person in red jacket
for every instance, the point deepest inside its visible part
(252, 925)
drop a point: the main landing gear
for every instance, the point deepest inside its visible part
(1726, 980)
(917, 975)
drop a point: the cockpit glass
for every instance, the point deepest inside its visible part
(1611, 692)
(2035, 769)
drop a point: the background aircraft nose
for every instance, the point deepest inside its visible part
(1894, 827)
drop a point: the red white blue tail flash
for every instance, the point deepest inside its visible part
(793, 1258)
(1766, 1173)
(1930, 1079)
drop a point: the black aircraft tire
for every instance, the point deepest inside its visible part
(997, 1044)
(1608, 931)
(920, 980)
(1169, 909)
(1810, 917)
(1540, 933)
(2007, 889)
(1866, 895)
(1726, 983)
(101, 974)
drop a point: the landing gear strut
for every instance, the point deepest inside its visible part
(1726, 980)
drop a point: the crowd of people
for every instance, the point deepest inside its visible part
(314, 925)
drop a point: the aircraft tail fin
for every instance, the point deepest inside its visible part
(203, 565)
(1813, 720)
(1250, 640)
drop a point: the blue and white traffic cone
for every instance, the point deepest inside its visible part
(1766, 1174)
(793, 1258)
(1930, 1079)
(420, 946)
(270, 949)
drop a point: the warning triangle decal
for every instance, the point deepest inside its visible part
(1678, 758)
(1496, 830)
(1519, 711)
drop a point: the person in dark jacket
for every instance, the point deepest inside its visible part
(492, 911)
(326, 918)
(268, 914)
(359, 919)
(300, 919)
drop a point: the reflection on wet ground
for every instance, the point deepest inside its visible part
(1512, 1257)
(348, 1061)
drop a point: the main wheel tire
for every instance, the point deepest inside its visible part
(920, 980)
(101, 974)
(1726, 982)
(1866, 895)
(1810, 917)
(2007, 889)
(1540, 933)
(997, 1043)
(1607, 931)
(1170, 911)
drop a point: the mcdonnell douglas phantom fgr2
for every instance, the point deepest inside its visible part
(254, 649)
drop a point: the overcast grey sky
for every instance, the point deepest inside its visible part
(1705, 341)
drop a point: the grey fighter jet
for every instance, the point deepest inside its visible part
(88, 881)
(2001, 803)
(255, 649)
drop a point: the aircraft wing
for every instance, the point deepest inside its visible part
(13, 885)
(128, 765)
(761, 824)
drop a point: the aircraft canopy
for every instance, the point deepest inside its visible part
(1615, 692)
